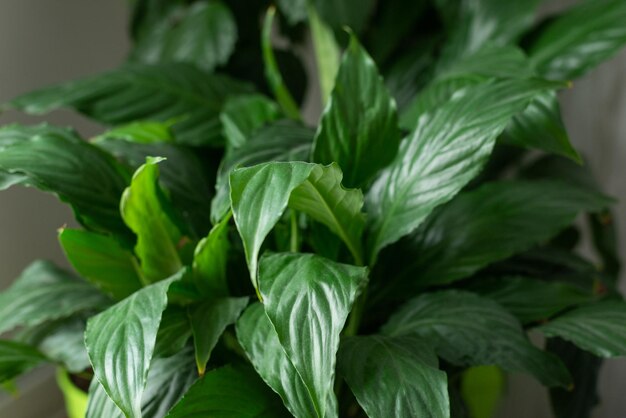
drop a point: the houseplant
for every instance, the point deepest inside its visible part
(234, 261)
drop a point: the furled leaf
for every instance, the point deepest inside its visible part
(580, 39)
(210, 260)
(359, 127)
(204, 34)
(17, 358)
(243, 115)
(327, 53)
(208, 322)
(280, 141)
(257, 336)
(468, 330)
(147, 211)
(120, 342)
(102, 260)
(483, 226)
(531, 299)
(394, 376)
(148, 132)
(296, 288)
(597, 328)
(44, 292)
(58, 161)
(446, 150)
(229, 392)
(145, 92)
(181, 174)
(540, 126)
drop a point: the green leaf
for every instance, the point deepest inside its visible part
(17, 358)
(531, 299)
(243, 115)
(281, 141)
(327, 53)
(174, 331)
(120, 342)
(468, 330)
(359, 127)
(228, 392)
(351, 13)
(257, 336)
(324, 199)
(394, 376)
(208, 322)
(145, 92)
(143, 132)
(102, 260)
(204, 34)
(182, 174)
(580, 39)
(58, 161)
(482, 389)
(296, 288)
(44, 292)
(483, 226)
(540, 126)
(147, 211)
(597, 328)
(294, 10)
(210, 260)
(447, 149)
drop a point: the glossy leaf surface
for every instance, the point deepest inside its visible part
(17, 358)
(243, 115)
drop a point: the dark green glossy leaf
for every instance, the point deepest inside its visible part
(208, 322)
(280, 141)
(468, 330)
(174, 331)
(58, 161)
(204, 34)
(182, 174)
(359, 127)
(258, 338)
(147, 211)
(102, 260)
(482, 226)
(577, 41)
(17, 358)
(531, 299)
(351, 13)
(243, 115)
(597, 328)
(296, 288)
(210, 261)
(120, 342)
(447, 149)
(145, 92)
(229, 392)
(394, 376)
(44, 292)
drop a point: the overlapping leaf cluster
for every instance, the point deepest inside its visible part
(235, 261)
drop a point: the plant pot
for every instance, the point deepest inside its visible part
(75, 398)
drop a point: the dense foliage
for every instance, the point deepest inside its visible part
(235, 261)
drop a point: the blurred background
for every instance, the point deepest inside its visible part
(44, 42)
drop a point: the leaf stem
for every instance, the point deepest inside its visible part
(293, 245)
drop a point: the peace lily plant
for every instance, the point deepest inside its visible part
(388, 260)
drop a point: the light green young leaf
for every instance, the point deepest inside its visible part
(143, 132)
(447, 149)
(394, 376)
(208, 322)
(58, 161)
(146, 92)
(44, 292)
(146, 210)
(597, 328)
(210, 260)
(229, 392)
(120, 342)
(468, 330)
(102, 260)
(359, 127)
(17, 358)
(257, 336)
(296, 288)
(204, 34)
(327, 53)
(580, 39)
(245, 114)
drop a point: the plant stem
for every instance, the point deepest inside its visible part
(293, 244)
